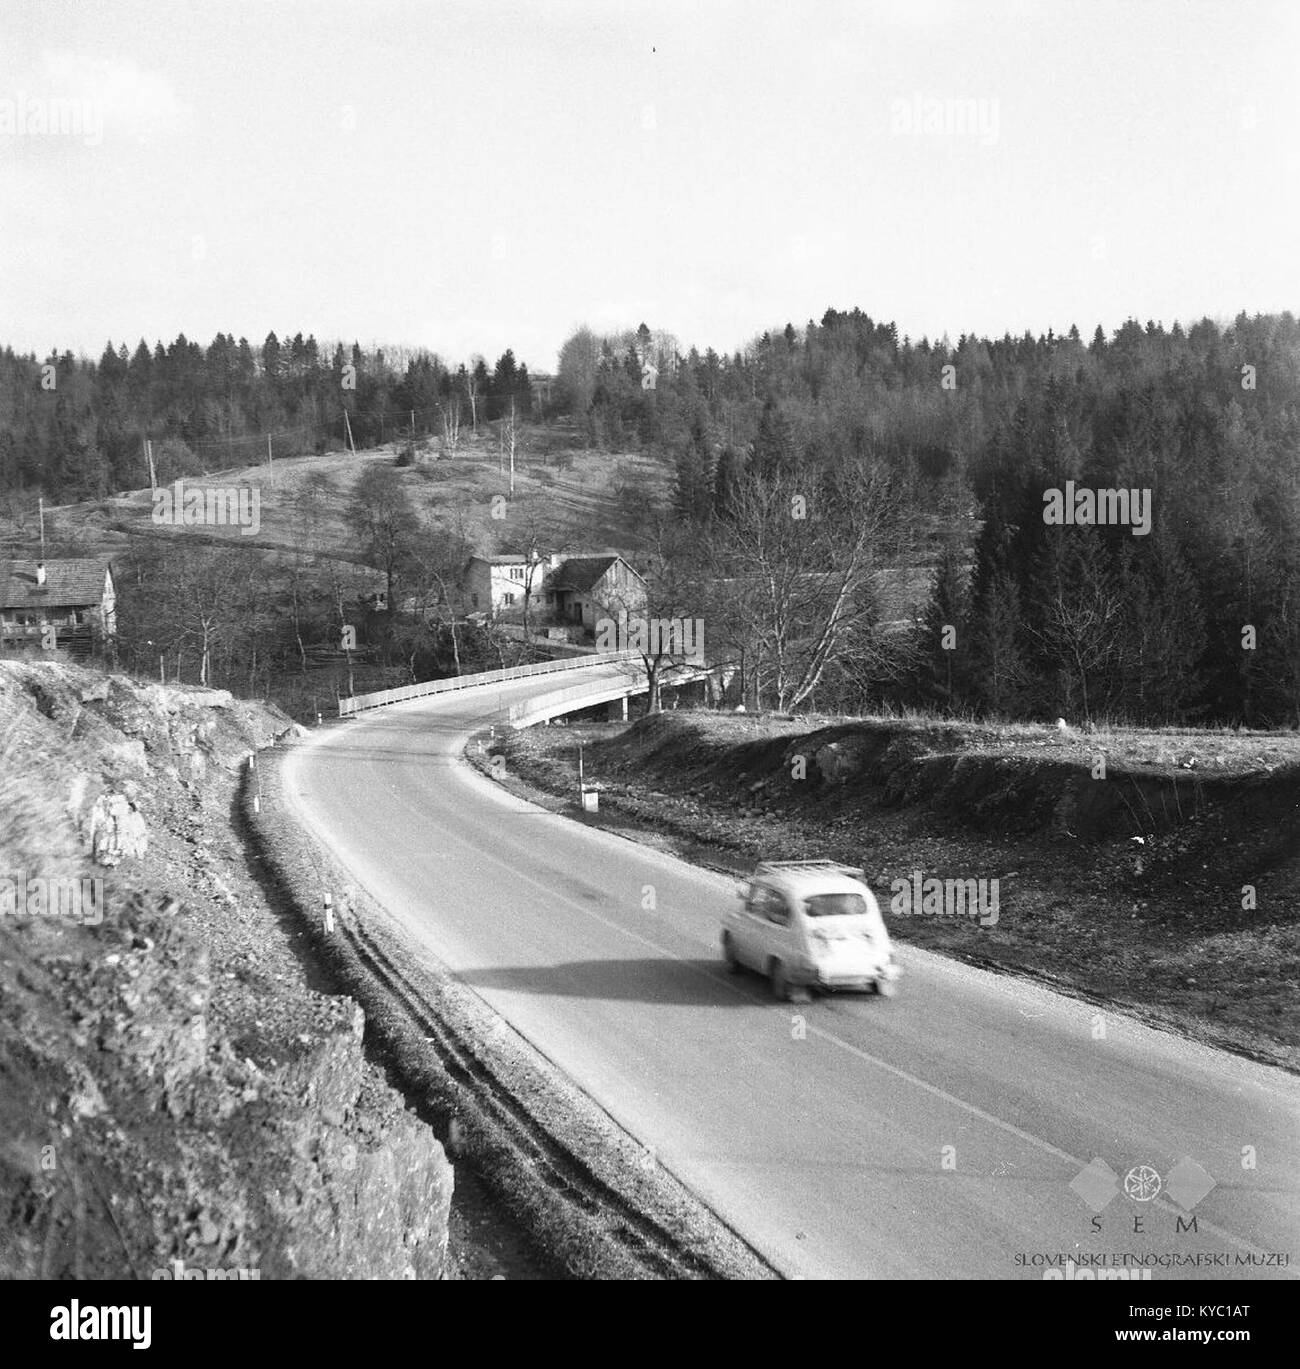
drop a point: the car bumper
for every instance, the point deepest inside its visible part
(819, 978)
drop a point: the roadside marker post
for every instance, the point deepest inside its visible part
(329, 911)
(588, 799)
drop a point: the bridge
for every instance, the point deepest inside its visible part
(606, 678)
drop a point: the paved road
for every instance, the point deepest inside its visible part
(932, 1135)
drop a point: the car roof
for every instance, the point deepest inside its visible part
(808, 880)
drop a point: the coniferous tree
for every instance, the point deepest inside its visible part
(998, 671)
(944, 651)
(730, 470)
(1163, 635)
(693, 493)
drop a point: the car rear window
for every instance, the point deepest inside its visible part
(836, 905)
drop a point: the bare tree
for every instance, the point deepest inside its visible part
(202, 582)
(450, 416)
(310, 504)
(387, 526)
(472, 392)
(533, 533)
(670, 611)
(436, 575)
(1080, 617)
(510, 442)
(798, 575)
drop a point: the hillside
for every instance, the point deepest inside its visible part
(582, 497)
(176, 1081)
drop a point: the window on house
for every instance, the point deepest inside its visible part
(507, 599)
(474, 599)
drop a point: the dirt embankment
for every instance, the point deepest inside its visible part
(172, 1088)
(1154, 871)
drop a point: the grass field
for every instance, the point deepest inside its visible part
(581, 498)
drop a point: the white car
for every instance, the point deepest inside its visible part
(810, 923)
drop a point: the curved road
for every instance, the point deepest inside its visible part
(936, 1134)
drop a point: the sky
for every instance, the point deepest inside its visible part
(469, 177)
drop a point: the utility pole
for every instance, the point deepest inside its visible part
(348, 426)
(153, 475)
(40, 506)
(270, 463)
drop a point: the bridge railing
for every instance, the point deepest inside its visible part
(379, 698)
(529, 711)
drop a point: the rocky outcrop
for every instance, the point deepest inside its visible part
(170, 1088)
(116, 830)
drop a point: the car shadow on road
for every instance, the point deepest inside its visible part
(659, 980)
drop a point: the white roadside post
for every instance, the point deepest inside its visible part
(329, 911)
(588, 798)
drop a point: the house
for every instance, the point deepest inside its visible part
(588, 588)
(68, 605)
(574, 590)
(497, 584)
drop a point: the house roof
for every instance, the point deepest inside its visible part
(72, 583)
(580, 573)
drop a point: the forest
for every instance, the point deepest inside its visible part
(896, 452)
(1197, 621)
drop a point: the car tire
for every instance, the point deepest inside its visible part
(729, 954)
(780, 984)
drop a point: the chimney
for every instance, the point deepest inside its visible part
(40, 572)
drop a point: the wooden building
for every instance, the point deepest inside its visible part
(65, 605)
